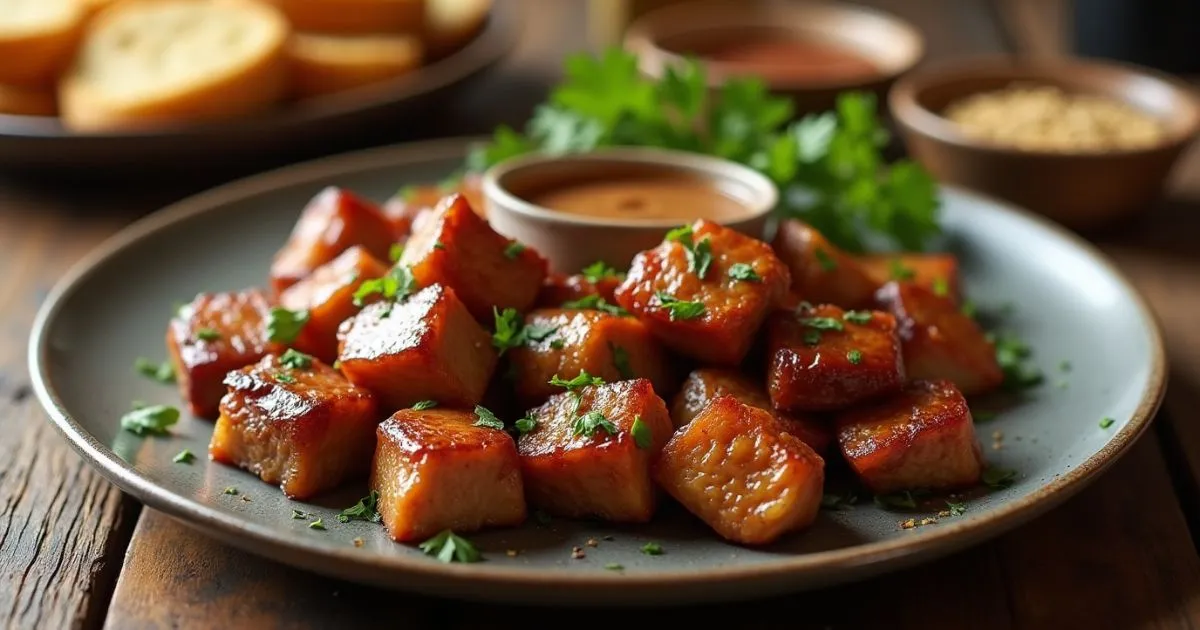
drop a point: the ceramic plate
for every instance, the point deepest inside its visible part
(1071, 305)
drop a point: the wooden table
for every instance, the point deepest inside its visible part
(74, 552)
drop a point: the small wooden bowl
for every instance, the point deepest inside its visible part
(664, 37)
(1081, 190)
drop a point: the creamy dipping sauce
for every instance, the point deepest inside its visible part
(782, 58)
(649, 196)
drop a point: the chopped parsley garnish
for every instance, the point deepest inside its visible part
(422, 405)
(898, 271)
(583, 379)
(826, 261)
(1106, 422)
(317, 524)
(439, 245)
(643, 437)
(513, 250)
(365, 510)
(230, 490)
(941, 286)
(744, 272)
(184, 457)
(285, 378)
(162, 372)
(539, 332)
(812, 337)
(510, 330)
(998, 478)
(679, 309)
(298, 515)
(620, 360)
(450, 547)
(398, 284)
(599, 271)
(613, 566)
(699, 254)
(858, 317)
(956, 509)
(590, 422)
(485, 418)
(595, 303)
(822, 323)
(831, 501)
(854, 356)
(207, 334)
(295, 360)
(525, 425)
(395, 252)
(151, 420)
(283, 325)
(1012, 355)
(897, 500)
(652, 549)
(557, 344)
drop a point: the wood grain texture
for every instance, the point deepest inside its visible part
(62, 527)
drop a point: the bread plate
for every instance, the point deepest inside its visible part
(314, 126)
(1072, 305)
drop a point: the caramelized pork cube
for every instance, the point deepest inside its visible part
(560, 289)
(707, 384)
(823, 358)
(565, 343)
(921, 438)
(714, 318)
(822, 273)
(590, 452)
(333, 221)
(939, 341)
(216, 333)
(426, 347)
(936, 272)
(740, 471)
(296, 422)
(457, 248)
(328, 296)
(435, 470)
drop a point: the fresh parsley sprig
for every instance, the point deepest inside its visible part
(398, 284)
(595, 303)
(679, 309)
(365, 510)
(699, 253)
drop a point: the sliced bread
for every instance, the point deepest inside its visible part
(37, 39)
(324, 64)
(150, 62)
(348, 17)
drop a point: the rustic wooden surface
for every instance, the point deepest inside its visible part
(1120, 555)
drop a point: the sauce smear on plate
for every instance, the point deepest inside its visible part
(643, 196)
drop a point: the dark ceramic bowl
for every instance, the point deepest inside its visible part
(1080, 190)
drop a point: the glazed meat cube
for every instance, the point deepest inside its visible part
(575, 466)
(296, 422)
(559, 289)
(328, 296)
(921, 438)
(410, 207)
(568, 342)
(457, 248)
(216, 333)
(707, 384)
(332, 222)
(435, 470)
(738, 469)
(822, 273)
(936, 272)
(713, 319)
(824, 358)
(427, 347)
(939, 341)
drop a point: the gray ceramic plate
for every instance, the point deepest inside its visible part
(1072, 306)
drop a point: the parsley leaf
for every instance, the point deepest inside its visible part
(822, 323)
(283, 325)
(184, 457)
(854, 357)
(152, 420)
(812, 337)
(595, 303)
(539, 332)
(652, 549)
(956, 509)
(679, 309)
(858, 317)
(941, 286)
(485, 418)
(643, 437)
(699, 254)
(298, 515)
(398, 284)
(525, 425)
(317, 524)
(1013, 354)
(513, 250)
(583, 379)
(998, 478)
(395, 252)
(295, 360)
(613, 566)
(422, 405)
(162, 372)
(450, 547)
(824, 260)
(599, 271)
(592, 421)
(744, 272)
(284, 377)
(620, 360)
(207, 334)
(365, 510)
(510, 328)
(1106, 422)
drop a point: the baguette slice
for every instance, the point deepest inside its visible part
(149, 62)
(354, 17)
(324, 64)
(27, 101)
(449, 24)
(37, 39)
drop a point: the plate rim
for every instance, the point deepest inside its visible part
(409, 572)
